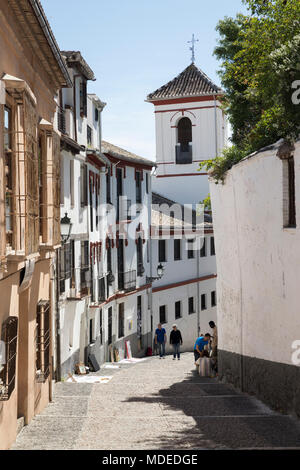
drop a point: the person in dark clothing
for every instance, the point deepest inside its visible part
(176, 341)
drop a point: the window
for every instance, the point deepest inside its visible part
(177, 310)
(83, 186)
(213, 298)
(43, 341)
(109, 332)
(108, 191)
(96, 114)
(119, 192)
(101, 289)
(184, 139)
(83, 99)
(121, 321)
(203, 249)
(101, 326)
(8, 129)
(91, 186)
(177, 250)
(212, 246)
(138, 187)
(9, 337)
(191, 252)
(89, 136)
(203, 302)
(84, 266)
(91, 331)
(162, 250)
(147, 183)
(191, 305)
(65, 258)
(162, 314)
(139, 257)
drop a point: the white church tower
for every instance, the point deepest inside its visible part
(190, 128)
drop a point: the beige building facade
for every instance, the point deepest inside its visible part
(31, 73)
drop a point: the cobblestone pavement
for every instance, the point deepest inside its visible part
(157, 404)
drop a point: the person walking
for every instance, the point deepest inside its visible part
(214, 346)
(176, 341)
(200, 344)
(160, 340)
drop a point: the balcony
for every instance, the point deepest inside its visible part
(184, 154)
(61, 120)
(127, 281)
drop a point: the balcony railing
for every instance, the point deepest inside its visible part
(184, 154)
(61, 120)
(127, 280)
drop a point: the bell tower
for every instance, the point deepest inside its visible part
(190, 128)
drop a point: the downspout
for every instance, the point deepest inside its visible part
(198, 290)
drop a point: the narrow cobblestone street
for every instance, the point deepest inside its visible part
(157, 404)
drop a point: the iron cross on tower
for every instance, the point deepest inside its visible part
(193, 41)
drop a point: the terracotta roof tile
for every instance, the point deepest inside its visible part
(191, 82)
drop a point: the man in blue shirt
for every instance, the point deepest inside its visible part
(201, 342)
(160, 340)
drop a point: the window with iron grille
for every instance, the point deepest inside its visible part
(139, 252)
(84, 266)
(121, 321)
(9, 337)
(139, 317)
(162, 250)
(108, 190)
(177, 250)
(83, 99)
(43, 341)
(177, 309)
(8, 150)
(212, 246)
(65, 259)
(191, 305)
(91, 331)
(162, 314)
(203, 301)
(203, 249)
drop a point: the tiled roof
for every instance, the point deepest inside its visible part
(121, 154)
(191, 82)
(75, 58)
(167, 219)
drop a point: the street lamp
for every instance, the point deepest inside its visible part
(160, 272)
(65, 228)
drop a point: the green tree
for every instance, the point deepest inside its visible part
(260, 54)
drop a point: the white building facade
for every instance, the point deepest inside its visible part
(190, 128)
(256, 222)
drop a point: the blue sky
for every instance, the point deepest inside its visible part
(134, 47)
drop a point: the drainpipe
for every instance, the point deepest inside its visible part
(198, 290)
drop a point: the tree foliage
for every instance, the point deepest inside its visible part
(260, 54)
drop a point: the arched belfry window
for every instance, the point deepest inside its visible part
(184, 141)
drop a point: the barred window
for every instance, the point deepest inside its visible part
(43, 341)
(121, 321)
(9, 337)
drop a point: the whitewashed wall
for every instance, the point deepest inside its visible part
(258, 261)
